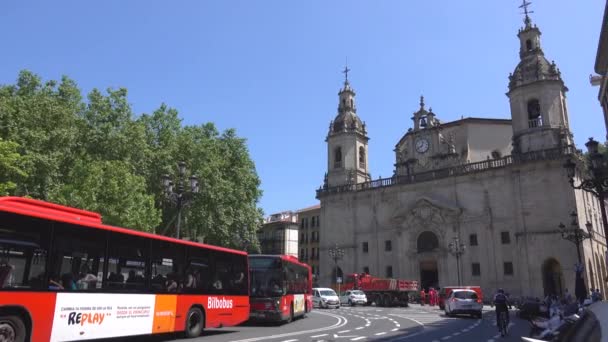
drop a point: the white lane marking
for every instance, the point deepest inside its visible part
(342, 321)
(397, 325)
(456, 333)
(464, 330)
(318, 336)
(343, 331)
(357, 338)
(497, 336)
(359, 328)
(380, 333)
(290, 340)
(446, 338)
(394, 329)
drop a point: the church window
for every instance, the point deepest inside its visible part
(473, 240)
(366, 269)
(534, 115)
(352, 104)
(505, 238)
(388, 245)
(338, 157)
(528, 45)
(508, 268)
(362, 157)
(389, 271)
(475, 269)
(427, 242)
(365, 247)
(343, 102)
(533, 109)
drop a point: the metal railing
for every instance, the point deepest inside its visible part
(538, 122)
(457, 170)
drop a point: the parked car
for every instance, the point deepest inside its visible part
(353, 297)
(463, 301)
(324, 297)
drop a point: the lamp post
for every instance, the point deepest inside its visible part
(179, 196)
(457, 248)
(597, 180)
(336, 254)
(575, 234)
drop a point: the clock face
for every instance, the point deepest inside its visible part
(422, 145)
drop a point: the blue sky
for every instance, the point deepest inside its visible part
(272, 69)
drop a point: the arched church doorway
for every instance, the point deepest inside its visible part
(426, 244)
(429, 275)
(552, 277)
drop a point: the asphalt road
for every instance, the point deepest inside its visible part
(415, 323)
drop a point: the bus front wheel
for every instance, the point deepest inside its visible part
(195, 322)
(12, 329)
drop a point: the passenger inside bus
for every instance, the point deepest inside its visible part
(54, 284)
(67, 281)
(171, 283)
(6, 273)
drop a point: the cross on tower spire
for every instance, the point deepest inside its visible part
(346, 70)
(525, 5)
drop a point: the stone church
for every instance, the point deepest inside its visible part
(496, 188)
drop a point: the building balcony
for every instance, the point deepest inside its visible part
(533, 123)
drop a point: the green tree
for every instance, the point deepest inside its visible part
(110, 188)
(10, 170)
(41, 119)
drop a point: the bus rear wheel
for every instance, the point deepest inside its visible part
(290, 318)
(12, 329)
(195, 322)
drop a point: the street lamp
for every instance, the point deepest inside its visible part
(575, 234)
(457, 248)
(179, 196)
(597, 182)
(336, 254)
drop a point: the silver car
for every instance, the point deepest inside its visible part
(353, 297)
(325, 298)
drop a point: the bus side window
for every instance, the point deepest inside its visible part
(167, 267)
(197, 274)
(126, 263)
(24, 243)
(78, 258)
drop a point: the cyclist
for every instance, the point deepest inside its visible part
(501, 301)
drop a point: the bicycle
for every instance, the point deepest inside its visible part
(502, 323)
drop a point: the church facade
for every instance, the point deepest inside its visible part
(496, 188)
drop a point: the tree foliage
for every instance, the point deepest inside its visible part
(95, 154)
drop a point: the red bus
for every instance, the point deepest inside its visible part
(65, 276)
(281, 288)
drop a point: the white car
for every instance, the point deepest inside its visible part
(463, 302)
(353, 297)
(323, 297)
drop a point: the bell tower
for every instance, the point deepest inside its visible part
(537, 95)
(347, 152)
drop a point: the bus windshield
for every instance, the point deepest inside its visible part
(266, 277)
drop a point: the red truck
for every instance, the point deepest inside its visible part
(382, 291)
